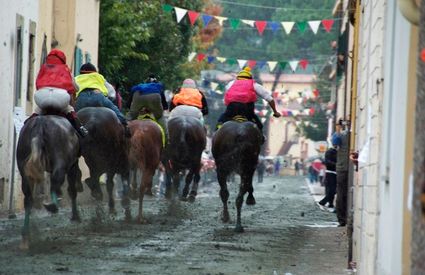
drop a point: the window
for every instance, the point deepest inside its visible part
(43, 51)
(31, 61)
(18, 60)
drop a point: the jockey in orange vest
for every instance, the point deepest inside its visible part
(56, 90)
(189, 101)
(241, 96)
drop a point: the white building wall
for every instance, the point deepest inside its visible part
(369, 116)
(8, 22)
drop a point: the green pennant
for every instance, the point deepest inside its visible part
(167, 8)
(283, 64)
(234, 23)
(301, 26)
(231, 61)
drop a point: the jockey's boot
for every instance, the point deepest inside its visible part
(31, 116)
(76, 123)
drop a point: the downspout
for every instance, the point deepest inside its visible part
(410, 10)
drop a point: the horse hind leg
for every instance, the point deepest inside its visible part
(224, 195)
(188, 181)
(194, 189)
(239, 201)
(27, 187)
(144, 185)
(56, 180)
(73, 176)
(93, 183)
(110, 189)
(125, 200)
(250, 200)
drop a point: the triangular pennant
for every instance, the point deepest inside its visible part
(206, 19)
(299, 100)
(193, 15)
(220, 19)
(220, 59)
(210, 59)
(272, 65)
(180, 13)
(327, 24)
(261, 25)
(314, 25)
(231, 61)
(311, 111)
(287, 26)
(316, 93)
(303, 63)
(293, 65)
(260, 64)
(234, 23)
(263, 120)
(167, 8)
(191, 56)
(251, 63)
(301, 26)
(219, 92)
(214, 85)
(241, 63)
(248, 22)
(275, 26)
(200, 56)
(283, 64)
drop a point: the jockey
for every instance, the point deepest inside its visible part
(191, 100)
(149, 95)
(240, 99)
(93, 92)
(56, 90)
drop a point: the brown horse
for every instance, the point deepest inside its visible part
(47, 143)
(145, 153)
(105, 150)
(187, 140)
(235, 147)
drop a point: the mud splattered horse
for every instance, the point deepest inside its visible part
(187, 140)
(105, 150)
(47, 143)
(235, 147)
(147, 141)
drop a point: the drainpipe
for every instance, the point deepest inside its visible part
(410, 10)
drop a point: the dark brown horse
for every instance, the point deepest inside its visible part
(147, 141)
(105, 150)
(235, 147)
(47, 143)
(187, 140)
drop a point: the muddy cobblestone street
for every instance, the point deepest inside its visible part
(285, 233)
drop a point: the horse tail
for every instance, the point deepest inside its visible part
(34, 167)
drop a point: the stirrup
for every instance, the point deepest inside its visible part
(83, 131)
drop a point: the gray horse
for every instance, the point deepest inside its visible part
(47, 144)
(235, 147)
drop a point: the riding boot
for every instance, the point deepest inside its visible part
(76, 123)
(31, 116)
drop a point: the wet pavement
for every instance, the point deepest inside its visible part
(285, 233)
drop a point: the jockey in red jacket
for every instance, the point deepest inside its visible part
(56, 90)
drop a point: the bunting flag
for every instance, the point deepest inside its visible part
(180, 13)
(261, 64)
(241, 63)
(300, 100)
(293, 65)
(251, 63)
(214, 85)
(272, 65)
(201, 56)
(210, 59)
(259, 25)
(303, 63)
(283, 65)
(314, 25)
(191, 56)
(220, 59)
(316, 93)
(193, 15)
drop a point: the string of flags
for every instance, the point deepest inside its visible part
(293, 64)
(260, 25)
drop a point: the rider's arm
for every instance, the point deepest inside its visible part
(266, 95)
(112, 94)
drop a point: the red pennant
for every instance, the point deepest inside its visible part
(327, 24)
(261, 25)
(303, 63)
(275, 94)
(193, 15)
(251, 63)
(312, 111)
(316, 92)
(200, 57)
(423, 55)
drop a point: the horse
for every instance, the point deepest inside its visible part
(235, 148)
(147, 142)
(186, 142)
(105, 150)
(47, 143)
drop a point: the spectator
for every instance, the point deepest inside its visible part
(330, 178)
(277, 167)
(297, 168)
(261, 167)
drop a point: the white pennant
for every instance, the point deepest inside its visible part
(214, 85)
(314, 25)
(220, 19)
(180, 13)
(293, 65)
(263, 119)
(288, 26)
(191, 56)
(299, 100)
(221, 59)
(295, 112)
(248, 22)
(219, 92)
(241, 63)
(272, 65)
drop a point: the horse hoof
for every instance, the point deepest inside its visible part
(133, 194)
(191, 198)
(51, 207)
(75, 218)
(250, 200)
(183, 198)
(239, 229)
(225, 218)
(24, 245)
